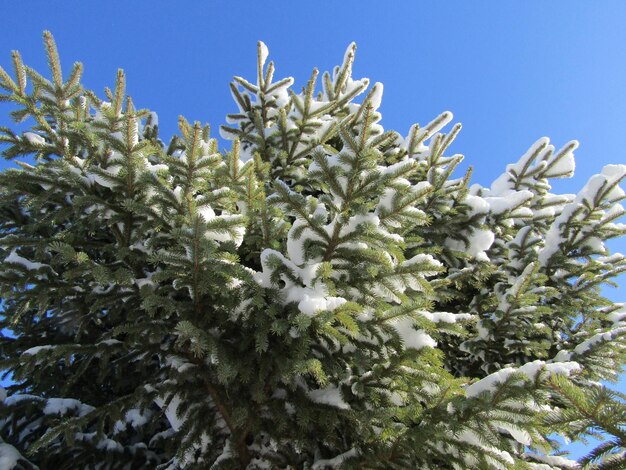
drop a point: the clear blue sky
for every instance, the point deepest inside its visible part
(511, 72)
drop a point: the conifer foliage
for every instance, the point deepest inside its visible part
(325, 294)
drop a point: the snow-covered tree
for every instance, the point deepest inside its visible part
(324, 294)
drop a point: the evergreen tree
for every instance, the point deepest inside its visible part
(324, 294)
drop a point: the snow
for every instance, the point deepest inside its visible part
(616, 210)
(134, 417)
(477, 204)
(424, 259)
(311, 297)
(412, 338)
(595, 244)
(109, 445)
(348, 56)
(9, 456)
(14, 399)
(139, 246)
(351, 87)
(530, 370)
(477, 244)
(618, 316)
(506, 181)
(562, 163)
(515, 288)
(562, 368)
(17, 259)
(508, 201)
(376, 95)
(310, 305)
(519, 435)
(361, 219)
(154, 168)
(263, 53)
(611, 175)
(170, 411)
(234, 234)
(537, 152)
(555, 460)
(33, 351)
(330, 395)
(281, 95)
(295, 246)
(34, 139)
(226, 454)
(178, 193)
(439, 123)
(471, 438)
(614, 172)
(55, 406)
(585, 346)
(330, 160)
(489, 383)
(316, 106)
(445, 317)
(154, 118)
(335, 462)
(101, 179)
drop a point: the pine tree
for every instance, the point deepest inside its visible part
(324, 294)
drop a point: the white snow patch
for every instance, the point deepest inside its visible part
(109, 445)
(206, 212)
(335, 462)
(424, 258)
(505, 182)
(611, 175)
(63, 405)
(376, 95)
(617, 316)
(471, 438)
(34, 139)
(519, 435)
(412, 338)
(263, 52)
(330, 395)
(170, 412)
(226, 454)
(111, 171)
(508, 201)
(491, 382)
(145, 281)
(33, 351)
(477, 204)
(446, 317)
(312, 297)
(565, 165)
(555, 460)
(295, 247)
(9, 456)
(477, 244)
(17, 259)
(585, 346)
(136, 418)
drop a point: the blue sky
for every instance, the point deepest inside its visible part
(511, 72)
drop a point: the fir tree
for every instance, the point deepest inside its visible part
(324, 294)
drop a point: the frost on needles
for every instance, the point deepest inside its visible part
(325, 294)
